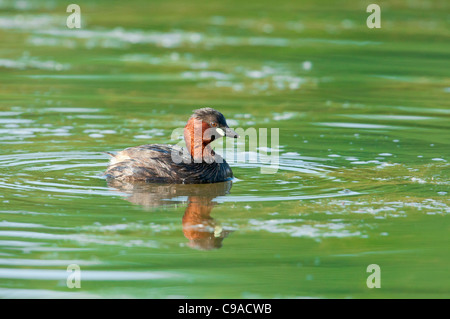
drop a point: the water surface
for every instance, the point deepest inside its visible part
(363, 173)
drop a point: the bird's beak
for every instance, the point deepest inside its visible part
(226, 131)
(231, 133)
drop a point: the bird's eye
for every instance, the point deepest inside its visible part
(213, 124)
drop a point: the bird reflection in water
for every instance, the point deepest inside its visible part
(203, 231)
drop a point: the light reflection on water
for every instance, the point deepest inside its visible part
(362, 175)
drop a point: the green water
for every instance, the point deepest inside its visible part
(364, 133)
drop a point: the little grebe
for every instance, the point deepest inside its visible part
(158, 163)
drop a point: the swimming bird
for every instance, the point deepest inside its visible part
(195, 164)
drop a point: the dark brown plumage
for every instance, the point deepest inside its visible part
(158, 163)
